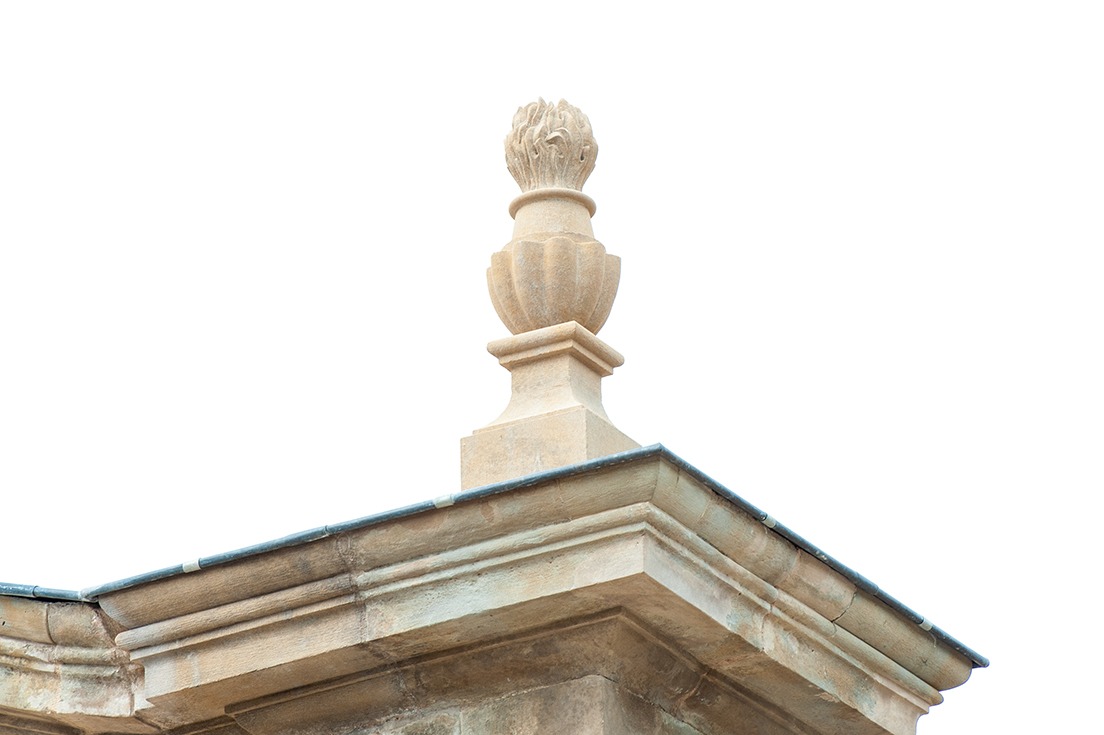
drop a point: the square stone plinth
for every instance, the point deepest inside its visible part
(545, 442)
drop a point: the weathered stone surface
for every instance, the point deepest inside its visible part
(24, 619)
(550, 146)
(636, 573)
(57, 659)
(904, 642)
(555, 416)
(553, 270)
(592, 705)
(580, 706)
(566, 437)
(552, 277)
(440, 723)
(606, 671)
(18, 722)
(553, 286)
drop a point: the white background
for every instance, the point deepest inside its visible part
(242, 253)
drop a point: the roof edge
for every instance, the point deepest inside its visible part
(633, 455)
(48, 594)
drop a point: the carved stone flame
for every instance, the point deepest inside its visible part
(550, 146)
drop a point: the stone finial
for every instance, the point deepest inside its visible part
(553, 270)
(550, 146)
(553, 286)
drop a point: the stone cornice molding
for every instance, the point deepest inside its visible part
(61, 656)
(569, 338)
(645, 538)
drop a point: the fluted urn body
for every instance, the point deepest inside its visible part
(566, 277)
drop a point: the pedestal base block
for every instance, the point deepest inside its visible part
(545, 442)
(555, 416)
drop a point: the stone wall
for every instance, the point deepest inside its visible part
(592, 705)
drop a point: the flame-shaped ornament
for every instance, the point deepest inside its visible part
(550, 146)
(553, 271)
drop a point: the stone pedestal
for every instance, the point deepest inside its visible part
(555, 416)
(553, 286)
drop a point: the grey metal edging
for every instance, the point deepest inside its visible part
(39, 593)
(851, 575)
(295, 539)
(314, 534)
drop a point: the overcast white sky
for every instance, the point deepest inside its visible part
(242, 254)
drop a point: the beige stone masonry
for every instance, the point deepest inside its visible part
(636, 573)
(555, 415)
(59, 658)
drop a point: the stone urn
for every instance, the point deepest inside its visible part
(553, 270)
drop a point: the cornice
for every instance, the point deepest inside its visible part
(643, 535)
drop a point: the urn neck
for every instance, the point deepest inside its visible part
(552, 210)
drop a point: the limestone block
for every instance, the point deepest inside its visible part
(906, 643)
(730, 530)
(442, 723)
(58, 658)
(603, 674)
(540, 443)
(579, 706)
(550, 278)
(818, 586)
(24, 619)
(555, 415)
(592, 705)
